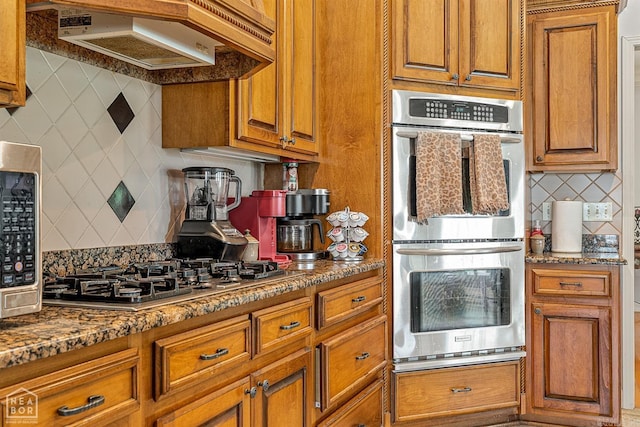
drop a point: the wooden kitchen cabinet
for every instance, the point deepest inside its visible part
(571, 111)
(573, 344)
(464, 44)
(272, 113)
(97, 392)
(363, 410)
(429, 395)
(12, 54)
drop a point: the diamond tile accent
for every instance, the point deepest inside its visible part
(121, 201)
(121, 112)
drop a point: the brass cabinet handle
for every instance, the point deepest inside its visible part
(219, 352)
(363, 356)
(461, 390)
(291, 325)
(576, 284)
(92, 402)
(264, 384)
(359, 299)
(251, 392)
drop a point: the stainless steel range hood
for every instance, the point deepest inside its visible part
(161, 37)
(148, 43)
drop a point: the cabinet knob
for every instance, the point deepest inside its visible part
(251, 392)
(264, 384)
(537, 311)
(455, 76)
(539, 159)
(468, 78)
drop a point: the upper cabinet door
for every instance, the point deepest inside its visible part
(425, 40)
(573, 90)
(464, 44)
(490, 43)
(277, 104)
(12, 53)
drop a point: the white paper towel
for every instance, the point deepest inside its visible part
(566, 226)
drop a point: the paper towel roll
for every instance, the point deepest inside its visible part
(566, 226)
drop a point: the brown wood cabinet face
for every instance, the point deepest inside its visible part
(227, 407)
(573, 344)
(12, 48)
(283, 392)
(276, 326)
(447, 392)
(277, 104)
(571, 358)
(344, 302)
(573, 86)
(466, 43)
(97, 392)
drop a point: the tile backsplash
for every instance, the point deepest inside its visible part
(585, 187)
(107, 181)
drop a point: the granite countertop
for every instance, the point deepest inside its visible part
(57, 330)
(608, 258)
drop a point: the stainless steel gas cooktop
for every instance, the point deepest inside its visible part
(147, 285)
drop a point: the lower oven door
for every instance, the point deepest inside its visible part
(457, 299)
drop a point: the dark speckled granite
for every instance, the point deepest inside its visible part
(57, 330)
(596, 249)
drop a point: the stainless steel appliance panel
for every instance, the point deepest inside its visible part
(20, 189)
(416, 258)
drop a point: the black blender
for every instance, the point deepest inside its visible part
(206, 231)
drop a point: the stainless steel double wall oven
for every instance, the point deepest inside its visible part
(458, 280)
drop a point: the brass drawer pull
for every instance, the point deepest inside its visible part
(461, 390)
(363, 356)
(290, 326)
(358, 299)
(576, 284)
(219, 352)
(92, 402)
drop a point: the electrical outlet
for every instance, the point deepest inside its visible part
(546, 211)
(597, 211)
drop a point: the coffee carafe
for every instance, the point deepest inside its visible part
(206, 231)
(295, 230)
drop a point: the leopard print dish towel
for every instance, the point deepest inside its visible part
(486, 175)
(438, 175)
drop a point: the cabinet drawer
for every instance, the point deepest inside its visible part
(338, 304)
(281, 324)
(198, 355)
(363, 410)
(97, 392)
(573, 283)
(348, 360)
(455, 391)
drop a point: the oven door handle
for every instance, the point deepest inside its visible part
(472, 251)
(463, 136)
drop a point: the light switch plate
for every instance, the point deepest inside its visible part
(546, 211)
(597, 211)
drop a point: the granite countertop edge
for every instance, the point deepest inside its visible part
(55, 330)
(605, 258)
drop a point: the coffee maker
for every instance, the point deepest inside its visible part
(295, 230)
(258, 214)
(206, 231)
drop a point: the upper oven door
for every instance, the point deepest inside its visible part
(505, 225)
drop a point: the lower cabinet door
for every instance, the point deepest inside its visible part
(363, 410)
(283, 393)
(571, 360)
(422, 395)
(227, 407)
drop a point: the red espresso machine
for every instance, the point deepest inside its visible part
(258, 213)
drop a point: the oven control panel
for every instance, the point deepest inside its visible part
(18, 235)
(458, 110)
